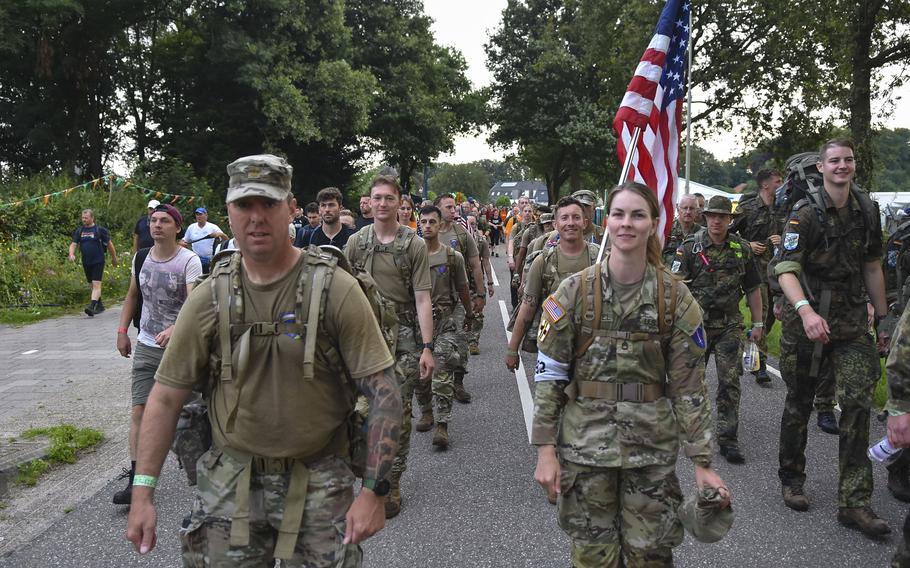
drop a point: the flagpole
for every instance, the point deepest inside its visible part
(626, 167)
(689, 108)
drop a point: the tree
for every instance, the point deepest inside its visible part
(423, 98)
(470, 179)
(560, 69)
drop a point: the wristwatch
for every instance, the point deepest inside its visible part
(381, 488)
(427, 346)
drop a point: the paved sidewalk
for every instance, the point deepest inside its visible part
(62, 370)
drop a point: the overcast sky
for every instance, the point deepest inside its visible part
(465, 25)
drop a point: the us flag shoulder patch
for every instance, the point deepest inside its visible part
(554, 310)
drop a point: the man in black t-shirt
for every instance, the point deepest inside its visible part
(332, 231)
(142, 235)
(92, 240)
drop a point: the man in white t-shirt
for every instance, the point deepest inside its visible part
(200, 236)
(165, 279)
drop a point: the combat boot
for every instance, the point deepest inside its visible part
(393, 501)
(794, 497)
(732, 454)
(474, 349)
(90, 309)
(761, 375)
(425, 424)
(125, 495)
(99, 307)
(899, 484)
(441, 436)
(864, 520)
(461, 395)
(828, 423)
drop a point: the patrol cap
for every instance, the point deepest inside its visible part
(546, 218)
(586, 196)
(721, 205)
(703, 516)
(263, 175)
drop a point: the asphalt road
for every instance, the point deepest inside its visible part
(477, 505)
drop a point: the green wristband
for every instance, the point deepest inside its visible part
(145, 480)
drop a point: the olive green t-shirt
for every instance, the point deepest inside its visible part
(564, 265)
(385, 272)
(274, 399)
(450, 238)
(442, 275)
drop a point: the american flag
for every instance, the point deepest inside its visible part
(653, 102)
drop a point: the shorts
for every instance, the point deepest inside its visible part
(145, 364)
(93, 272)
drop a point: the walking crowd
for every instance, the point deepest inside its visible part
(237, 335)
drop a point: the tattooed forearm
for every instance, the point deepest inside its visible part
(383, 423)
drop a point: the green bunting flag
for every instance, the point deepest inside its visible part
(107, 183)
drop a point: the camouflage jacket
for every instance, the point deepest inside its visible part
(757, 222)
(717, 275)
(676, 238)
(898, 368)
(626, 349)
(829, 258)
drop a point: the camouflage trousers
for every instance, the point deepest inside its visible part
(205, 538)
(854, 365)
(620, 517)
(463, 338)
(407, 354)
(727, 345)
(436, 395)
(476, 328)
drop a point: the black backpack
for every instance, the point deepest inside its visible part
(141, 255)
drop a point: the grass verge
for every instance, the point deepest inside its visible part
(24, 316)
(65, 441)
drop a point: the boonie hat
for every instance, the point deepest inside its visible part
(586, 196)
(153, 203)
(703, 516)
(201, 210)
(720, 205)
(263, 175)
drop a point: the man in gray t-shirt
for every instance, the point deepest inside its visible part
(165, 279)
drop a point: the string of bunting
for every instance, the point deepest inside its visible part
(110, 183)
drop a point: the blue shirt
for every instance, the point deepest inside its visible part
(93, 242)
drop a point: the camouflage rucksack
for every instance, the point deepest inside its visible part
(897, 279)
(315, 279)
(398, 248)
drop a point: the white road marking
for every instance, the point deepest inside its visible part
(521, 378)
(495, 280)
(29, 352)
(773, 371)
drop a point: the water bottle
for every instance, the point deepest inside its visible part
(884, 452)
(751, 361)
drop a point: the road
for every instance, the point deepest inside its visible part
(475, 505)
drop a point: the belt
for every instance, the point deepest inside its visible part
(620, 392)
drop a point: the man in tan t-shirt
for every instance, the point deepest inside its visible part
(450, 283)
(280, 437)
(550, 268)
(403, 277)
(483, 249)
(454, 235)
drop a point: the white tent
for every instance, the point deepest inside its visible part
(706, 190)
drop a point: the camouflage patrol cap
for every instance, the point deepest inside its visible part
(586, 196)
(720, 205)
(546, 218)
(263, 175)
(703, 516)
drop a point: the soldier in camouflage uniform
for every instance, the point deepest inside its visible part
(683, 226)
(757, 223)
(483, 248)
(396, 258)
(450, 284)
(719, 268)
(549, 269)
(277, 482)
(831, 264)
(614, 398)
(898, 408)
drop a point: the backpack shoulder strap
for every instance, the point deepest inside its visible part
(667, 297)
(590, 276)
(315, 277)
(225, 275)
